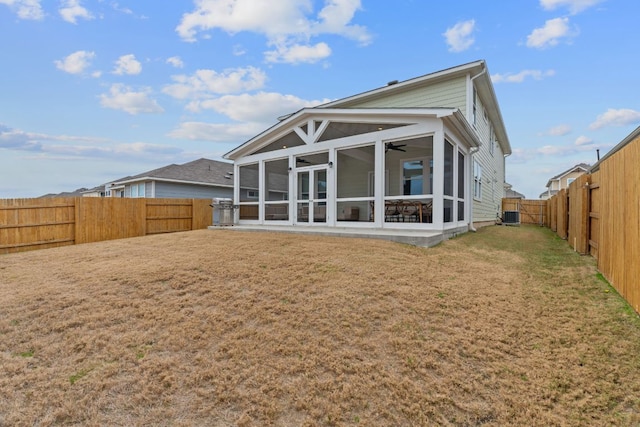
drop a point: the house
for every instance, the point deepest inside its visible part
(562, 180)
(422, 154)
(510, 193)
(199, 179)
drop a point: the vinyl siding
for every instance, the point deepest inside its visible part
(188, 191)
(493, 169)
(450, 94)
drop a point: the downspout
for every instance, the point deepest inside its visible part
(471, 153)
(474, 150)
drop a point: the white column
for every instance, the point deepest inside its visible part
(379, 185)
(332, 187)
(236, 191)
(438, 177)
(261, 189)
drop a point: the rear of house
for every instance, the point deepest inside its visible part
(425, 154)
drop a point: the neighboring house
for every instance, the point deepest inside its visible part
(199, 179)
(562, 180)
(426, 153)
(77, 193)
(510, 193)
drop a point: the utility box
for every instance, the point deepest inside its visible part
(511, 218)
(223, 212)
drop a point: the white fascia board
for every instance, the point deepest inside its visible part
(458, 122)
(177, 181)
(400, 86)
(345, 114)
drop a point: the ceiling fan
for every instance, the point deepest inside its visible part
(391, 146)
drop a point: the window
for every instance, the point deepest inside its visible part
(412, 177)
(448, 168)
(477, 181)
(249, 183)
(461, 186)
(569, 181)
(141, 190)
(492, 140)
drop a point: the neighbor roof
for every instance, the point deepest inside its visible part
(581, 166)
(201, 171)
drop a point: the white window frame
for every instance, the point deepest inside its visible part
(477, 180)
(425, 175)
(253, 194)
(492, 139)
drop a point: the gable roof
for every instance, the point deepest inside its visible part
(201, 171)
(580, 166)
(478, 72)
(452, 116)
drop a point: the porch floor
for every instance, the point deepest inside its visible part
(424, 238)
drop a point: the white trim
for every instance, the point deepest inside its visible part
(179, 181)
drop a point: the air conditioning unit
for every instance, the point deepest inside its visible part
(511, 217)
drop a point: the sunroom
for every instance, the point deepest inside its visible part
(386, 168)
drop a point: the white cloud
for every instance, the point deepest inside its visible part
(460, 36)
(560, 130)
(205, 83)
(574, 6)
(583, 140)
(124, 98)
(252, 114)
(262, 107)
(71, 10)
(285, 23)
(521, 76)
(299, 54)
(613, 117)
(127, 64)
(550, 34)
(65, 147)
(26, 9)
(175, 61)
(76, 63)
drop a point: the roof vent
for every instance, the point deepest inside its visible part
(392, 82)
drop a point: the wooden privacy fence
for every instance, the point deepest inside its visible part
(600, 215)
(531, 211)
(27, 224)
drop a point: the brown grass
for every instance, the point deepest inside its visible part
(502, 327)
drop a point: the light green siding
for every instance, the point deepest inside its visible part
(450, 94)
(493, 173)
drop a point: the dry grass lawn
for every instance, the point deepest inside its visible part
(506, 326)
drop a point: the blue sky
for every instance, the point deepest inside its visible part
(91, 91)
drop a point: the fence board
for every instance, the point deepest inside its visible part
(562, 213)
(619, 246)
(531, 211)
(578, 233)
(594, 214)
(27, 224)
(604, 212)
(36, 223)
